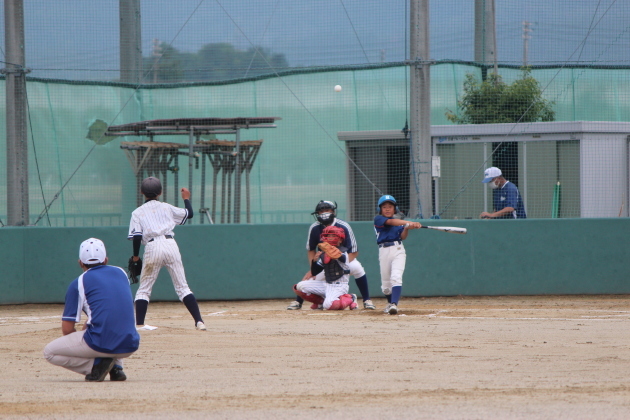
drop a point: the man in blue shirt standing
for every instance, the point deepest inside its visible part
(109, 333)
(506, 199)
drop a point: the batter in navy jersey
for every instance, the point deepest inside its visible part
(392, 257)
(325, 215)
(506, 199)
(109, 334)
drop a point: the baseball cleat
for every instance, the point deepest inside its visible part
(145, 327)
(386, 310)
(354, 304)
(201, 326)
(367, 304)
(117, 374)
(100, 370)
(317, 306)
(393, 309)
(294, 306)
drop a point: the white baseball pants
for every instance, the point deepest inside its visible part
(329, 291)
(392, 261)
(162, 252)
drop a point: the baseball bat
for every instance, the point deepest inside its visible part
(448, 229)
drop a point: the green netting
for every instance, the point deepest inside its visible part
(282, 58)
(301, 161)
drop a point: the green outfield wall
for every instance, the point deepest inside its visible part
(232, 262)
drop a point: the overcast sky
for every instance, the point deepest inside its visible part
(79, 39)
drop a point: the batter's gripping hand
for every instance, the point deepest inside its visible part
(134, 268)
(330, 250)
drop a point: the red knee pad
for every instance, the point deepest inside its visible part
(347, 301)
(308, 297)
(342, 303)
(336, 306)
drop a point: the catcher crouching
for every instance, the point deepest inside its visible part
(332, 292)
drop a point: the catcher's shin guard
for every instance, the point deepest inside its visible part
(308, 297)
(342, 303)
(336, 305)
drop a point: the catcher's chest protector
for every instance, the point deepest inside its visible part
(335, 269)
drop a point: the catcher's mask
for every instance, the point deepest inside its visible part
(333, 235)
(326, 217)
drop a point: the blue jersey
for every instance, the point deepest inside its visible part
(508, 196)
(385, 232)
(316, 229)
(104, 295)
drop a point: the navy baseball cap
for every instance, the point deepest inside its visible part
(151, 187)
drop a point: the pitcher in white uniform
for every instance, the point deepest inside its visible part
(152, 225)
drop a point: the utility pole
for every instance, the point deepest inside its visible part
(130, 41)
(420, 194)
(16, 116)
(526, 37)
(485, 36)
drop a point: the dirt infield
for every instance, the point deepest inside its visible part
(446, 358)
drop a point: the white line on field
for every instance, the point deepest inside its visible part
(541, 319)
(28, 318)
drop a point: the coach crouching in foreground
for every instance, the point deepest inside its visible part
(109, 333)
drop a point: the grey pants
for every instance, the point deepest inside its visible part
(72, 352)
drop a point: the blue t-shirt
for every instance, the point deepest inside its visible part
(384, 232)
(104, 295)
(508, 196)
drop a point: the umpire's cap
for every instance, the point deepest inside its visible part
(151, 187)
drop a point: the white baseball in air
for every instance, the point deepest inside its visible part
(338, 88)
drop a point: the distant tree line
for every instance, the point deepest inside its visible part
(213, 62)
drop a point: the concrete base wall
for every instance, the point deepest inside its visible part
(232, 262)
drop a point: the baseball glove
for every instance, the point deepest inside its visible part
(330, 250)
(134, 268)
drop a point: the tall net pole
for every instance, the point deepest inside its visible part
(130, 41)
(485, 35)
(420, 193)
(17, 141)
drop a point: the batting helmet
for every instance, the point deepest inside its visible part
(386, 199)
(151, 187)
(334, 235)
(325, 218)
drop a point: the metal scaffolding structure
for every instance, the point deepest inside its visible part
(230, 159)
